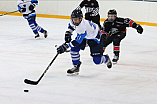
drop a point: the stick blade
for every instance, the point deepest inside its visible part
(27, 81)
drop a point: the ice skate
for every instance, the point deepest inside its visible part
(37, 36)
(45, 33)
(115, 59)
(74, 71)
(108, 63)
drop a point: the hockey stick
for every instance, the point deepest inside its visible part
(27, 81)
(9, 13)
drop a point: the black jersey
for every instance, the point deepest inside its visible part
(118, 23)
(92, 7)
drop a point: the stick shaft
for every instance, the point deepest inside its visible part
(9, 13)
(48, 67)
(36, 82)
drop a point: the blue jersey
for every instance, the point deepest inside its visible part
(25, 4)
(85, 30)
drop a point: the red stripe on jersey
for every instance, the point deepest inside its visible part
(104, 48)
(103, 32)
(131, 22)
(116, 48)
(124, 31)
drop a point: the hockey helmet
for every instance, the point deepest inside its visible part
(76, 14)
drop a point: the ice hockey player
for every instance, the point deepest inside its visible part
(85, 30)
(114, 30)
(92, 11)
(26, 7)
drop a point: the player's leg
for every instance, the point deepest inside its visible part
(96, 19)
(34, 26)
(75, 56)
(74, 52)
(31, 22)
(116, 45)
(97, 53)
(106, 41)
(40, 29)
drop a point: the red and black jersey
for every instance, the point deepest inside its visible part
(119, 23)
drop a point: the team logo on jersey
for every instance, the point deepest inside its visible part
(92, 4)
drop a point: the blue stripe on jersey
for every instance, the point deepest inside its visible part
(34, 14)
(97, 38)
(80, 37)
(35, 1)
(19, 8)
(92, 25)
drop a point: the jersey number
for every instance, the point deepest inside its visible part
(78, 37)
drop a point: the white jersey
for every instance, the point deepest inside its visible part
(25, 4)
(85, 30)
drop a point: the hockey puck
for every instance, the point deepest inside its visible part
(56, 46)
(26, 90)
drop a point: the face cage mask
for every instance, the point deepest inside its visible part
(111, 20)
(76, 24)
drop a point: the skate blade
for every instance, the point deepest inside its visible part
(73, 74)
(45, 36)
(37, 38)
(114, 63)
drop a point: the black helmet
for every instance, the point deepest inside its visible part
(112, 11)
(76, 14)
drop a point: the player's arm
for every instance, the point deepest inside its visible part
(96, 8)
(78, 40)
(81, 5)
(105, 31)
(21, 8)
(131, 23)
(33, 5)
(68, 33)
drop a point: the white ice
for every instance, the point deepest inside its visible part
(132, 81)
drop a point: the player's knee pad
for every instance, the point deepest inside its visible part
(31, 22)
(31, 18)
(97, 59)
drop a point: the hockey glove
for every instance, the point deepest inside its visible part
(22, 10)
(61, 49)
(68, 36)
(32, 6)
(104, 34)
(139, 29)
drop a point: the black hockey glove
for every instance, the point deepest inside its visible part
(22, 10)
(139, 29)
(32, 6)
(68, 36)
(61, 49)
(104, 34)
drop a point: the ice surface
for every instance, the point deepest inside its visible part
(132, 81)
